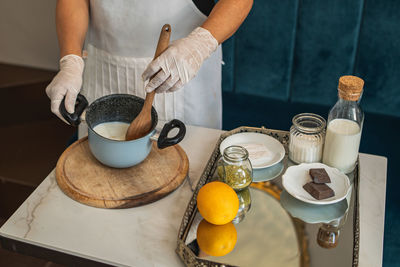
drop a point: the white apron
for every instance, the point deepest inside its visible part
(121, 42)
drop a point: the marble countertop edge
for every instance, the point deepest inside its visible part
(69, 252)
(372, 188)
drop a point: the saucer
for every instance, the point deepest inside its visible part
(296, 177)
(311, 213)
(266, 151)
(266, 174)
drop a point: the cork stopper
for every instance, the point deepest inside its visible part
(350, 87)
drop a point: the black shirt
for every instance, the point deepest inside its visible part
(205, 6)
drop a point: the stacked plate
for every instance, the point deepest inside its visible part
(265, 153)
(299, 203)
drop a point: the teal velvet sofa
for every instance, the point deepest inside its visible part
(287, 58)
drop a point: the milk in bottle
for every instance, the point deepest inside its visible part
(344, 128)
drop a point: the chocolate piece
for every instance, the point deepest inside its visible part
(320, 176)
(319, 191)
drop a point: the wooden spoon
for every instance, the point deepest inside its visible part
(141, 125)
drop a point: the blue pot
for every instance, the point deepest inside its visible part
(121, 108)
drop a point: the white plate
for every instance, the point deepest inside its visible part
(273, 150)
(296, 176)
(267, 174)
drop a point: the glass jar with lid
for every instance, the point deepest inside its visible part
(234, 168)
(345, 122)
(306, 139)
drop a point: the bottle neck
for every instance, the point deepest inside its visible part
(346, 109)
(348, 102)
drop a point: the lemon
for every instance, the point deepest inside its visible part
(216, 240)
(218, 203)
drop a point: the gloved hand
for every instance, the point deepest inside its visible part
(67, 82)
(180, 62)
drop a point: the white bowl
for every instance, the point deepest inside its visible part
(296, 176)
(271, 150)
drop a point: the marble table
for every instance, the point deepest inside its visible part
(50, 224)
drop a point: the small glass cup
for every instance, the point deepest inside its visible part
(307, 136)
(329, 233)
(244, 205)
(234, 168)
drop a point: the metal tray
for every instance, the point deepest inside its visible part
(273, 188)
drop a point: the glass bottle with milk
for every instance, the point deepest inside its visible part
(345, 122)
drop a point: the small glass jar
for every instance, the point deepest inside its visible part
(306, 139)
(234, 167)
(329, 233)
(244, 205)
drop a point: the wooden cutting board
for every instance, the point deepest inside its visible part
(83, 178)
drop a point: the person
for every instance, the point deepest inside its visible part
(120, 37)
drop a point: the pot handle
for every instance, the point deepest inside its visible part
(163, 139)
(80, 105)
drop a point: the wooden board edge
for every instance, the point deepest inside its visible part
(126, 203)
(76, 191)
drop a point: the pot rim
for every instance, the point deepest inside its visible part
(123, 141)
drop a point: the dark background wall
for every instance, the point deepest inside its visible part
(295, 51)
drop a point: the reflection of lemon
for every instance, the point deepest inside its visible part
(217, 202)
(216, 240)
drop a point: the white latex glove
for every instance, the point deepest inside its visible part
(67, 82)
(180, 62)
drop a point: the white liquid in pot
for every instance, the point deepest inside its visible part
(112, 130)
(341, 144)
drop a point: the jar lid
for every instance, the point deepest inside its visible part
(236, 153)
(350, 87)
(309, 123)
